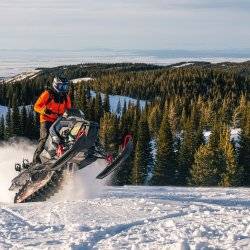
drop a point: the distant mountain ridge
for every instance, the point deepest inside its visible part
(14, 62)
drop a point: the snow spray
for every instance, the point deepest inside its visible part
(78, 185)
(10, 153)
(82, 184)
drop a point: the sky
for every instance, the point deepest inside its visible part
(124, 24)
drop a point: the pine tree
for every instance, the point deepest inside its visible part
(90, 111)
(124, 121)
(24, 120)
(192, 139)
(238, 115)
(124, 108)
(214, 138)
(98, 108)
(108, 132)
(2, 129)
(143, 153)
(31, 134)
(80, 97)
(173, 118)
(119, 108)
(88, 92)
(195, 117)
(72, 92)
(183, 119)
(15, 118)
(209, 166)
(207, 116)
(225, 112)
(8, 124)
(106, 103)
(84, 100)
(215, 162)
(233, 173)
(165, 164)
(154, 120)
(135, 124)
(244, 148)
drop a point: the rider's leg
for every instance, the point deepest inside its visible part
(44, 132)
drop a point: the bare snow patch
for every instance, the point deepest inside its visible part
(83, 79)
(184, 65)
(30, 75)
(235, 132)
(114, 101)
(3, 110)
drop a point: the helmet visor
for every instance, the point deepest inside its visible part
(63, 87)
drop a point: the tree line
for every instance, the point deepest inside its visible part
(170, 146)
(166, 154)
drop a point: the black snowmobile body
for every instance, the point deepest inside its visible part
(72, 141)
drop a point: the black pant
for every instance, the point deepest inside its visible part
(44, 132)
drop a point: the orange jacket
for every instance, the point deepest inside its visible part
(46, 102)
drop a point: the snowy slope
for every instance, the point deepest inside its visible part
(3, 110)
(83, 79)
(114, 100)
(132, 218)
(30, 75)
(86, 214)
(183, 65)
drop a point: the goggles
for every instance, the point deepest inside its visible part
(63, 87)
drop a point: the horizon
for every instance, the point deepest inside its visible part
(129, 49)
(160, 53)
(16, 61)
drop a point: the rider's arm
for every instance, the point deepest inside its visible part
(40, 105)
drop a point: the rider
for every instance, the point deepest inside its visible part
(50, 105)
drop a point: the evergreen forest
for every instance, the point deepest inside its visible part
(183, 104)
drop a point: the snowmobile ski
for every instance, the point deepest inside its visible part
(119, 160)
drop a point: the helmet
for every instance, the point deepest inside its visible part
(60, 84)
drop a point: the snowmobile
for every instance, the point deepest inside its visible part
(72, 143)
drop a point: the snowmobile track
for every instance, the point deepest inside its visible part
(52, 187)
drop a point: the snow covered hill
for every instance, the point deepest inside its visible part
(86, 214)
(115, 99)
(25, 75)
(83, 79)
(132, 218)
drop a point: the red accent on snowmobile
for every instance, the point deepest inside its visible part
(82, 132)
(126, 140)
(120, 158)
(109, 158)
(59, 150)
